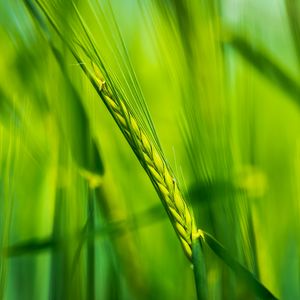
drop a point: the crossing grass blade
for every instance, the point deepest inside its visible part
(241, 272)
(265, 65)
(293, 12)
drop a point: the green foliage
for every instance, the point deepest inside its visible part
(211, 84)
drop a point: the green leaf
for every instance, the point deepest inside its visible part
(240, 271)
(267, 66)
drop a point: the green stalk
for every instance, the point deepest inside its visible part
(91, 247)
(199, 270)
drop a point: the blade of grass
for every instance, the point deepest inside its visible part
(83, 146)
(146, 218)
(91, 292)
(240, 271)
(264, 64)
(56, 276)
(293, 12)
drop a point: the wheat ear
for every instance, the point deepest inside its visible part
(155, 166)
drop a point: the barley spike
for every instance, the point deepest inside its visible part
(155, 166)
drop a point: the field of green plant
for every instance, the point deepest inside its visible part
(149, 149)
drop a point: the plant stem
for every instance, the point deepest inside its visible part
(199, 270)
(91, 293)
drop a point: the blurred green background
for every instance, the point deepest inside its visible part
(79, 219)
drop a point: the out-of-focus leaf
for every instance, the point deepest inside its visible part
(113, 228)
(267, 66)
(293, 12)
(7, 110)
(72, 116)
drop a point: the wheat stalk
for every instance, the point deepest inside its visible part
(154, 164)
